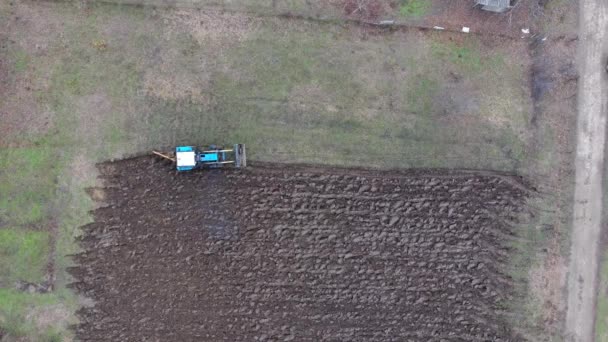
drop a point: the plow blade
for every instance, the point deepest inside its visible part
(164, 156)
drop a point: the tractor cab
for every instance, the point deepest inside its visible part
(185, 158)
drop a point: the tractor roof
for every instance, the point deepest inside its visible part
(187, 158)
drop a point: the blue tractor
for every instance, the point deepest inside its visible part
(189, 158)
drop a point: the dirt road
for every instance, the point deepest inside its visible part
(589, 170)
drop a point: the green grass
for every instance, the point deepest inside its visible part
(465, 56)
(27, 183)
(422, 95)
(21, 61)
(601, 313)
(414, 8)
(264, 98)
(28, 178)
(531, 235)
(23, 255)
(80, 203)
(16, 306)
(13, 308)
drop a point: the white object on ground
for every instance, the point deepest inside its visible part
(438, 28)
(466, 29)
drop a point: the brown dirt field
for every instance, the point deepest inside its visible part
(279, 253)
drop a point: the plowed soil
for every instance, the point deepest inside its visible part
(280, 253)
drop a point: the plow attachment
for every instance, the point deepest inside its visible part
(240, 157)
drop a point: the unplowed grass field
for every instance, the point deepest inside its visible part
(280, 253)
